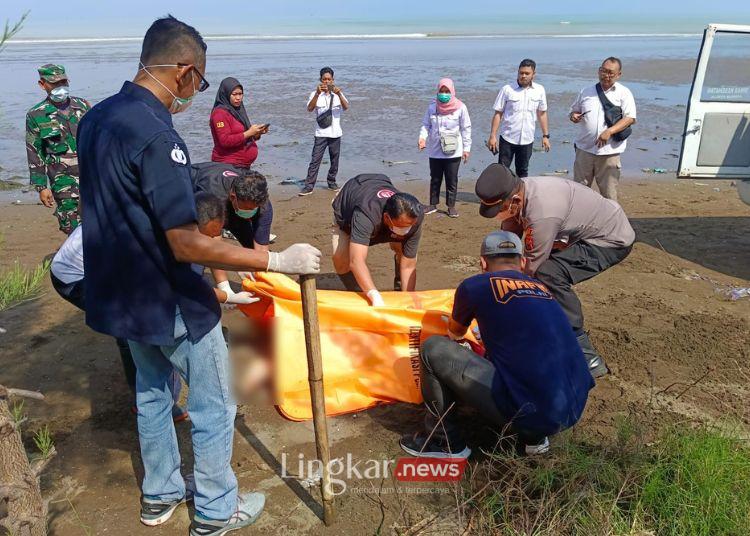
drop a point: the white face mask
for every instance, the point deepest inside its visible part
(178, 103)
(400, 231)
(59, 94)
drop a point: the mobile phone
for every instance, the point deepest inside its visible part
(265, 127)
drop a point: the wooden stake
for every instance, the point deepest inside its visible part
(315, 377)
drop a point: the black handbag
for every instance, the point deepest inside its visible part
(612, 114)
(325, 119)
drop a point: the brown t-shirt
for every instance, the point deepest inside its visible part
(561, 209)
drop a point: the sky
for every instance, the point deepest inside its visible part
(105, 18)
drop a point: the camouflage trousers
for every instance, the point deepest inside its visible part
(67, 212)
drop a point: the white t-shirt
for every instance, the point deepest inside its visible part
(592, 124)
(67, 264)
(519, 106)
(457, 122)
(324, 101)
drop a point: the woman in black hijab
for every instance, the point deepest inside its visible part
(234, 135)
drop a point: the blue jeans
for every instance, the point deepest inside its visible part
(204, 365)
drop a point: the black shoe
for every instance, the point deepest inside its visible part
(452, 212)
(429, 209)
(305, 191)
(155, 511)
(416, 445)
(334, 186)
(597, 366)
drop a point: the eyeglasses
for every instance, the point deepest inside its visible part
(203, 84)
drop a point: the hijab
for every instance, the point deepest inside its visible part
(452, 105)
(222, 100)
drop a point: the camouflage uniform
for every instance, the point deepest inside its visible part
(51, 149)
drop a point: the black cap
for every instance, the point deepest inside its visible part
(493, 187)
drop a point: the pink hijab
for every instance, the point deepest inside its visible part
(452, 105)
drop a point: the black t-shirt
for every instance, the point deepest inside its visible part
(358, 211)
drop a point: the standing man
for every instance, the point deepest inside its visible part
(602, 139)
(517, 107)
(140, 240)
(570, 232)
(51, 128)
(367, 211)
(327, 101)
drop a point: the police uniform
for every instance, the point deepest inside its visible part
(52, 151)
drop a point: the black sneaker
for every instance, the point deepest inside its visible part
(155, 511)
(249, 508)
(417, 445)
(429, 209)
(334, 186)
(305, 191)
(452, 212)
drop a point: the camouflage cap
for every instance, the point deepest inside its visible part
(52, 73)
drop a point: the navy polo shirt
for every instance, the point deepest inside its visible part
(135, 185)
(541, 378)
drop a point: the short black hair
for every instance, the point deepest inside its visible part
(615, 60)
(325, 70)
(528, 63)
(169, 40)
(209, 208)
(401, 203)
(251, 186)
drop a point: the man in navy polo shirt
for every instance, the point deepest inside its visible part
(534, 377)
(140, 239)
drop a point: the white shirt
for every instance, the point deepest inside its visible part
(592, 124)
(519, 106)
(457, 122)
(67, 264)
(324, 100)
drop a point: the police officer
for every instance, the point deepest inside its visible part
(369, 210)
(570, 232)
(140, 240)
(51, 128)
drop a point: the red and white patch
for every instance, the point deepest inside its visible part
(228, 173)
(385, 194)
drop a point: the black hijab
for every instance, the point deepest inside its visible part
(222, 101)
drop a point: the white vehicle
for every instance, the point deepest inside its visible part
(716, 142)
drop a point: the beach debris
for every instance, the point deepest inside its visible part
(291, 180)
(17, 202)
(406, 173)
(641, 148)
(736, 293)
(397, 162)
(700, 183)
(717, 189)
(290, 144)
(565, 142)
(556, 173)
(3, 330)
(657, 170)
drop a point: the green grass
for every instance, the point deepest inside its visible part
(19, 284)
(43, 441)
(692, 481)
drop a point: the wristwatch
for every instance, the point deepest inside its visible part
(545, 136)
(39, 188)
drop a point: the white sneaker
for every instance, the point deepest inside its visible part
(541, 448)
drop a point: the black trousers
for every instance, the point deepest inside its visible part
(448, 168)
(521, 153)
(74, 293)
(319, 149)
(576, 263)
(453, 374)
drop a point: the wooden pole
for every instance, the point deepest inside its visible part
(315, 377)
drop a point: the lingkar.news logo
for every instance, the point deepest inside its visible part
(344, 470)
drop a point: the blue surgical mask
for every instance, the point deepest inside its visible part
(246, 214)
(444, 97)
(59, 94)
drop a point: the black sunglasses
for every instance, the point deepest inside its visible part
(203, 84)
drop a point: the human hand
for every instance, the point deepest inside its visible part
(466, 156)
(247, 275)
(337, 90)
(546, 144)
(376, 300)
(421, 144)
(576, 117)
(492, 145)
(603, 138)
(254, 131)
(322, 88)
(296, 259)
(45, 196)
(242, 298)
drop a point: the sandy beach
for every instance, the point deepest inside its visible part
(676, 345)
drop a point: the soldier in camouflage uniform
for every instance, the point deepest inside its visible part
(51, 129)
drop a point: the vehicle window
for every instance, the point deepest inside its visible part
(728, 72)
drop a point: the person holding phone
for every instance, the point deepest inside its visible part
(327, 101)
(234, 136)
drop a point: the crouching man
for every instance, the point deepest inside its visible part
(534, 380)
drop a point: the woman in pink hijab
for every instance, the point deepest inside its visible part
(446, 134)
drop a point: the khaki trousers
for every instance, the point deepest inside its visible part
(604, 168)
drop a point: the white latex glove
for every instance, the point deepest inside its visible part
(242, 298)
(376, 300)
(227, 289)
(296, 259)
(247, 275)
